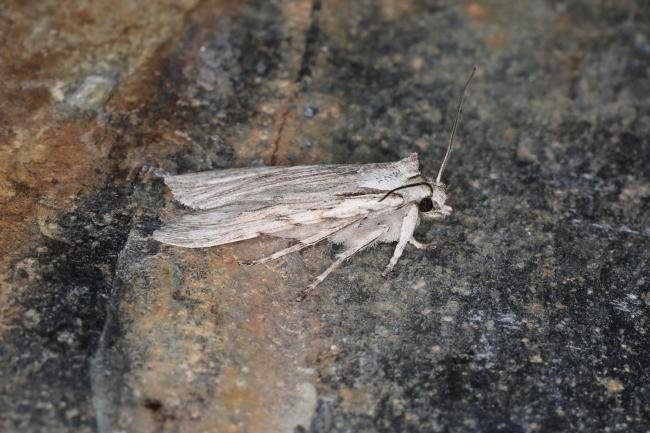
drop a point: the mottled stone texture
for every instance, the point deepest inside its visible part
(532, 316)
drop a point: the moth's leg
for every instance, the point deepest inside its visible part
(292, 249)
(357, 246)
(312, 240)
(409, 223)
(422, 246)
(283, 252)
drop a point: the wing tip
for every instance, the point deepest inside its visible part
(411, 162)
(181, 239)
(162, 236)
(166, 237)
(412, 157)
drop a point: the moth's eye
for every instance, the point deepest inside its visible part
(425, 205)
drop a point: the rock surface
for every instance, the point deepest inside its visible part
(531, 317)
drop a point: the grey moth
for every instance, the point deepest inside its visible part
(356, 205)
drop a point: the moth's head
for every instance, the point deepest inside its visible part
(433, 207)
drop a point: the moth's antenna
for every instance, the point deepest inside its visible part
(455, 125)
(392, 191)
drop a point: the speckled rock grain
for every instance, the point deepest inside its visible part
(531, 317)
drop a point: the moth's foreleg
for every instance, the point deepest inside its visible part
(409, 223)
(422, 246)
(357, 245)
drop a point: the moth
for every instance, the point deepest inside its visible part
(356, 205)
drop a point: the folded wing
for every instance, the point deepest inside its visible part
(216, 188)
(303, 202)
(239, 222)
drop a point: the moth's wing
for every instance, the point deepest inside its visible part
(278, 185)
(301, 221)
